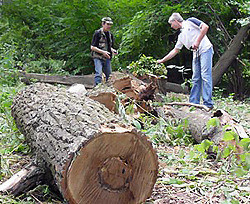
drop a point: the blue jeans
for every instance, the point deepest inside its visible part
(102, 65)
(202, 79)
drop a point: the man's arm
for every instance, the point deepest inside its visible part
(169, 56)
(204, 29)
(103, 52)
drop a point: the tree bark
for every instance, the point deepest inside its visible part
(230, 55)
(92, 156)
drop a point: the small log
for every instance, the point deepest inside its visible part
(23, 181)
(92, 156)
(197, 121)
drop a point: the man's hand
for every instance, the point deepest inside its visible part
(106, 54)
(195, 46)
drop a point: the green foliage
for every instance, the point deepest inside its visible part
(11, 142)
(147, 65)
(213, 122)
(171, 132)
(53, 29)
(46, 66)
(8, 72)
(144, 33)
(54, 36)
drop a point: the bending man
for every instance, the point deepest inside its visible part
(193, 37)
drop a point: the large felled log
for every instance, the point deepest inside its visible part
(92, 157)
(231, 54)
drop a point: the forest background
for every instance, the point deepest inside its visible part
(54, 37)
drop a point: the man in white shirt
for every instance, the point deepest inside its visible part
(193, 37)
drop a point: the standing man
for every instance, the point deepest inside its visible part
(193, 37)
(102, 50)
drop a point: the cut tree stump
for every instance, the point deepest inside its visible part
(92, 156)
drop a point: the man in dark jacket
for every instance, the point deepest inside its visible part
(102, 50)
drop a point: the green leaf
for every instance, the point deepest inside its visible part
(228, 136)
(137, 124)
(226, 152)
(213, 122)
(204, 146)
(240, 172)
(245, 143)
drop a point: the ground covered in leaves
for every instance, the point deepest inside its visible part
(185, 174)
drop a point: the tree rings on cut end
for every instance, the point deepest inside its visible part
(115, 174)
(114, 167)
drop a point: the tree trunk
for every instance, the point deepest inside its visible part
(92, 156)
(230, 55)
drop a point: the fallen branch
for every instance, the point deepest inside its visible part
(24, 180)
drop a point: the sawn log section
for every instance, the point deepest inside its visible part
(92, 157)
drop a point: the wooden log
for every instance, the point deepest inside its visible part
(165, 86)
(92, 156)
(87, 80)
(197, 121)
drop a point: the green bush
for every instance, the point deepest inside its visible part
(147, 65)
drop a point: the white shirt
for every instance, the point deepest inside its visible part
(188, 36)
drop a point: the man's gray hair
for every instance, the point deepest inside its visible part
(175, 16)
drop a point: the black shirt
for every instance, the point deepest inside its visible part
(97, 37)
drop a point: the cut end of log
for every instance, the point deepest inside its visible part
(114, 167)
